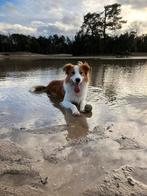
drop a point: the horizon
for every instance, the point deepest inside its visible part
(64, 17)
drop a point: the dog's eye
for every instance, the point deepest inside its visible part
(72, 72)
(81, 72)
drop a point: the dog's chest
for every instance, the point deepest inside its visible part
(72, 96)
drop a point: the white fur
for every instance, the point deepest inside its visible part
(77, 74)
(72, 97)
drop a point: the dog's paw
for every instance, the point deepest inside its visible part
(76, 113)
(82, 110)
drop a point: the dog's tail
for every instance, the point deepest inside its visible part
(39, 89)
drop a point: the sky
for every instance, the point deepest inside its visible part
(48, 17)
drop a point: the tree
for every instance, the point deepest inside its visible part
(112, 19)
(92, 25)
(97, 24)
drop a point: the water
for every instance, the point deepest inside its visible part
(118, 94)
(67, 149)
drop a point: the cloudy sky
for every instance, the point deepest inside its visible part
(46, 17)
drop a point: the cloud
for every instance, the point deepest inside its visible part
(139, 27)
(136, 19)
(45, 17)
(95, 5)
(56, 28)
(134, 3)
(16, 28)
(8, 7)
(41, 17)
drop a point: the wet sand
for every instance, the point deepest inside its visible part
(102, 162)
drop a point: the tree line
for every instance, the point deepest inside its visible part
(99, 34)
(51, 45)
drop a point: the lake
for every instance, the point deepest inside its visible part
(118, 93)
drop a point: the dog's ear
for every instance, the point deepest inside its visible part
(85, 66)
(67, 68)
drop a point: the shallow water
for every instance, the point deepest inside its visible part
(68, 150)
(118, 94)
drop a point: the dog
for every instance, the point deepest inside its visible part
(73, 89)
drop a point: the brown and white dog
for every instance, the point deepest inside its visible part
(72, 90)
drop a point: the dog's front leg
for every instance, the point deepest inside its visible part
(82, 105)
(72, 107)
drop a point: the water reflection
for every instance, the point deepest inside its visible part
(122, 78)
(123, 96)
(76, 126)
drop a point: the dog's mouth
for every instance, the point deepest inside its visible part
(77, 87)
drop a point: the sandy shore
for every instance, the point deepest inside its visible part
(29, 56)
(104, 162)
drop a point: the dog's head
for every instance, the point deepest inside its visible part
(76, 74)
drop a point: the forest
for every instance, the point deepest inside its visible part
(97, 35)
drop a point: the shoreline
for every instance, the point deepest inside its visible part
(33, 56)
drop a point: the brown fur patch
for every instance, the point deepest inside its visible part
(55, 88)
(84, 68)
(68, 68)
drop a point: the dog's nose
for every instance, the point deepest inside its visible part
(77, 80)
